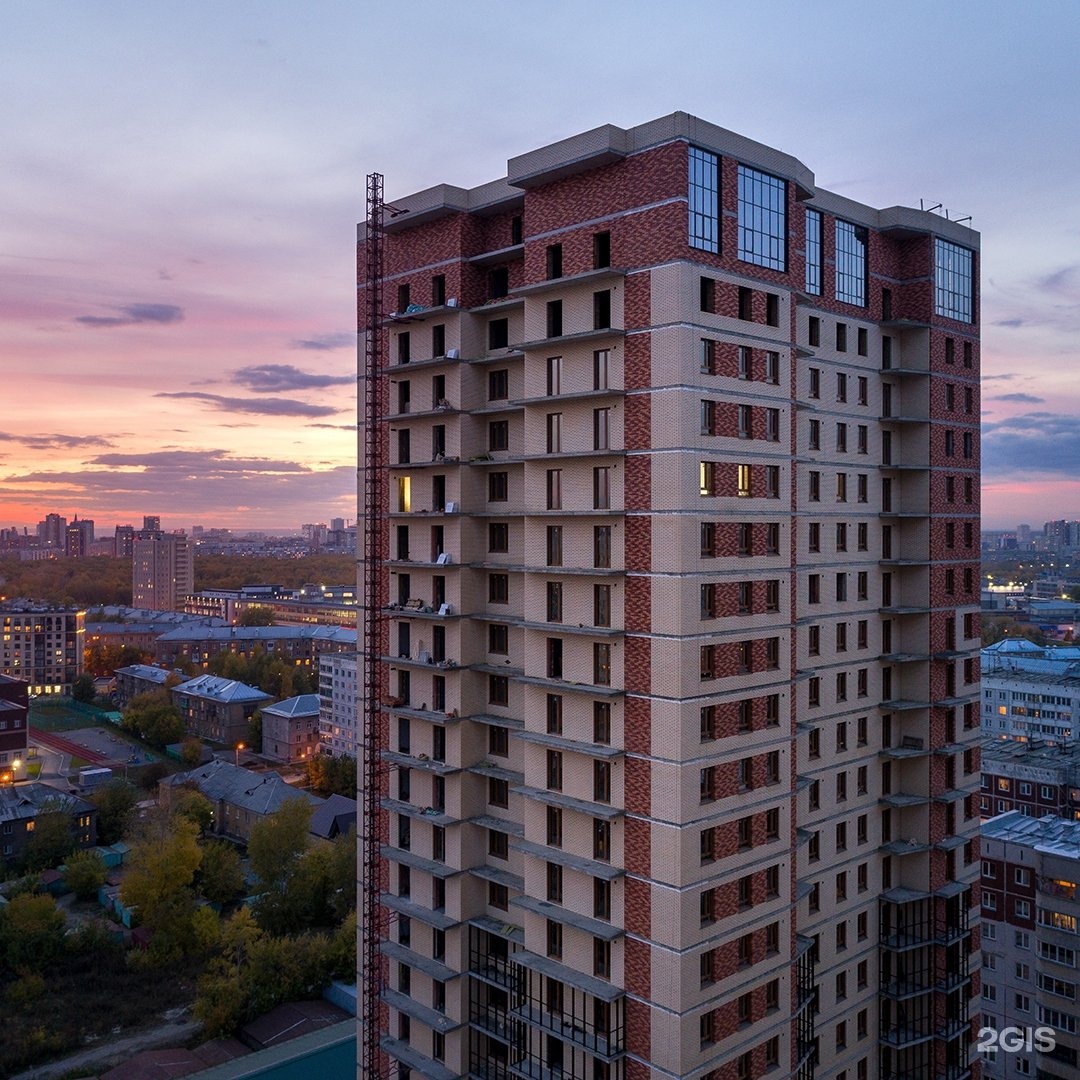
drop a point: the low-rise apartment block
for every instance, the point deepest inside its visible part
(1030, 945)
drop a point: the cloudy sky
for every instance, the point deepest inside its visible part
(181, 181)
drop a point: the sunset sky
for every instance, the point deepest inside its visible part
(181, 182)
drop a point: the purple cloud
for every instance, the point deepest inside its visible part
(133, 314)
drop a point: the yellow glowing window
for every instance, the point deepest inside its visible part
(405, 493)
(743, 480)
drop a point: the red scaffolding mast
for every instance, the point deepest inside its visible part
(372, 490)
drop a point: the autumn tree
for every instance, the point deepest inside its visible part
(154, 718)
(276, 849)
(328, 775)
(165, 856)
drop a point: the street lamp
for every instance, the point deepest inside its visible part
(239, 747)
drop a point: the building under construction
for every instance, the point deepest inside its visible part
(669, 484)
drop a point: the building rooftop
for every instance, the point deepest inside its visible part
(145, 671)
(215, 688)
(35, 607)
(1050, 835)
(1031, 752)
(261, 793)
(336, 815)
(294, 707)
(22, 802)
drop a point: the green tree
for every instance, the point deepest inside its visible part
(153, 718)
(189, 802)
(276, 849)
(82, 689)
(53, 838)
(222, 1001)
(85, 874)
(165, 856)
(257, 616)
(328, 775)
(31, 932)
(221, 874)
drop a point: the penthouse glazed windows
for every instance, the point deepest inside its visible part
(851, 263)
(814, 263)
(762, 219)
(704, 200)
(954, 275)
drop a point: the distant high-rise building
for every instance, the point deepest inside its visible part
(53, 531)
(78, 538)
(125, 539)
(678, 633)
(162, 572)
(151, 523)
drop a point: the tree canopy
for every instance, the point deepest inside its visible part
(165, 856)
(154, 718)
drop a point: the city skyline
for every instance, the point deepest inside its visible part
(183, 185)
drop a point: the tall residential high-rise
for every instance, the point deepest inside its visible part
(41, 644)
(162, 571)
(53, 532)
(78, 538)
(680, 624)
(124, 541)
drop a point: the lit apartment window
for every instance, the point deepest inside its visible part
(707, 478)
(743, 481)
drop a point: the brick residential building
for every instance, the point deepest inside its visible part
(680, 638)
(14, 729)
(1030, 913)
